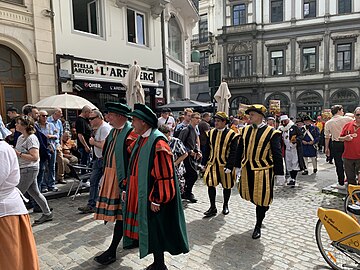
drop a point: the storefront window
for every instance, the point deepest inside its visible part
(175, 39)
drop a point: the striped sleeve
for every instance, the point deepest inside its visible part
(164, 189)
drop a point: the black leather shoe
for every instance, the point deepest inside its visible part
(153, 266)
(105, 258)
(190, 197)
(225, 210)
(211, 212)
(257, 233)
(315, 170)
(305, 173)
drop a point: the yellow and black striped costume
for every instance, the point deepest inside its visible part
(259, 156)
(220, 151)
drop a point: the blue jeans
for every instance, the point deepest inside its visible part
(96, 173)
(47, 180)
(84, 160)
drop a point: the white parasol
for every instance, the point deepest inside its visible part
(134, 91)
(222, 97)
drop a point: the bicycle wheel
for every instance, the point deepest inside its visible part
(349, 200)
(334, 257)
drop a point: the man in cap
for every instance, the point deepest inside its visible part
(292, 148)
(310, 141)
(219, 157)
(259, 161)
(153, 214)
(115, 164)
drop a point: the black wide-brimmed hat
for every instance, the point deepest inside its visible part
(144, 113)
(307, 118)
(259, 108)
(118, 108)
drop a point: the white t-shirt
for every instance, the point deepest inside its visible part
(101, 133)
(24, 145)
(170, 123)
(11, 202)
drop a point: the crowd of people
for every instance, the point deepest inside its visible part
(143, 166)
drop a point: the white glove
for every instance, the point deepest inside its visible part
(238, 173)
(227, 171)
(280, 180)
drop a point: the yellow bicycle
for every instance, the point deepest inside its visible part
(338, 234)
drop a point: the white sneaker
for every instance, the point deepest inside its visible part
(338, 186)
(86, 184)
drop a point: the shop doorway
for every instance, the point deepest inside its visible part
(12, 81)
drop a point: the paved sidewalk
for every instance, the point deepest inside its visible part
(222, 242)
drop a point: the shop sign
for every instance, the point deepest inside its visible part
(97, 86)
(99, 71)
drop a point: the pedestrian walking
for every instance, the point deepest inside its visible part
(154, 213)
(189, 137)
(350, 135)
(257, 171)
(332, 131)
(102, 131)
(18, 248)
(310, 142)
(219, 158)
(292, 148)
(179, 151)
(27, 150)
(83, 131)
(115, 165)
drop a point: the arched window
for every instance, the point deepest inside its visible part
(310, 103)
(284, 102)
(12, 81)
(234, 105)
(175, 42)
(345, 97)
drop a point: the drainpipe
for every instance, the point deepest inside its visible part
(56, 60)
(164, 62)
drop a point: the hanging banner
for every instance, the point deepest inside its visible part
(274, 107)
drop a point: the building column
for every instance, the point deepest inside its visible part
(326, 96)
(32, 87)
(326, 52)
(292, 109)
(293, 8)
(293, 57)
(253, 72)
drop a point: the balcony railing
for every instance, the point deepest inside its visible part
(202, 38)
(233, 29)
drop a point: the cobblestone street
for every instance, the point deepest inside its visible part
(223, 242)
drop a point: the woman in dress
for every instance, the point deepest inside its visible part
(27, 150)
(179, 152)
(18, 249)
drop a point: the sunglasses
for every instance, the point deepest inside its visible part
(44, 115)
(358, 114)
(92, 118)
